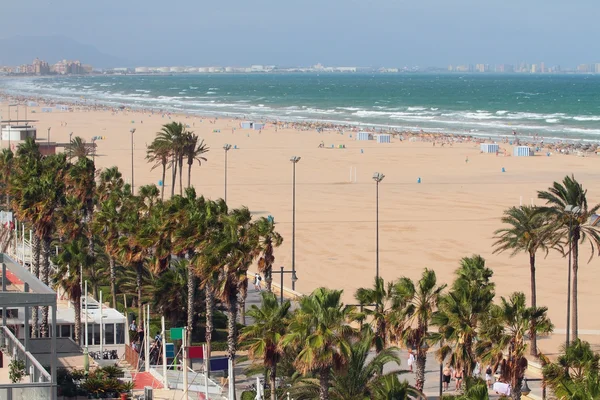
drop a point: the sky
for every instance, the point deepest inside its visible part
(392, 33)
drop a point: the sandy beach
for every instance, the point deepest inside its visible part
(452, 213)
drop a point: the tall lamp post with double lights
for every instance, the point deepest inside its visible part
(132, 131)
(281, 272)
(572, 211)
(294, 161)
(377, 177)
(226, 147)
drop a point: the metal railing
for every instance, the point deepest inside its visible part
(16, 350)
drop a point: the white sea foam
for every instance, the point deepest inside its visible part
(585, 118)
(416, 109)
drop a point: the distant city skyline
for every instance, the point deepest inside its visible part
(340, 32)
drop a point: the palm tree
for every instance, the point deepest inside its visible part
(158, 152)
(380, 298)
(417, 304)
(575, 227)
(173, 134)
(78, 148)
(263, 336)
(389, 387)
(502, 339)
(461, 311)
(526, 232)
(170, 291)
(106, 219)
(193, 151)
(6, 167)
(269, 239)
(73, 258)
(361, 373)
(320, 330)
(38, 191)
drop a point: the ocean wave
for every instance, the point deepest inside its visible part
(416, 109)
(585, 118)
(209, 92)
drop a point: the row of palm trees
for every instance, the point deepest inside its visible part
(104, 233)
(328, 343)
(564, 223)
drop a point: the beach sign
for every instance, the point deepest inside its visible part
(176, 333)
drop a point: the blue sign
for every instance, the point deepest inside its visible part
(170, 350)
(219, 364)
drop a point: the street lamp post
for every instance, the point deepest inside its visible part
(377, 177)
(10, 119)
(574, 210)
(49, 136)
(226, 147)
(132, 131)
(281, 272)
(70, 146)
(294, 161)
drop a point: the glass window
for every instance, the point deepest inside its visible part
(109, 334)
(90, 335)
(58, 330)
(65, 331)
(96, 334)
(120, 334)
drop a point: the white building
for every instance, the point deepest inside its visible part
(18, 130)
(142, 70)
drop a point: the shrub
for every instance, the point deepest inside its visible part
(16, 370)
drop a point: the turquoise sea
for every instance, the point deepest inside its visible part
(552, 106)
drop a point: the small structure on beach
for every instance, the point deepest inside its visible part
(384, 138)
(364, 136)
(257, 126)
(523, 151)
(489, 147)
(18, 130)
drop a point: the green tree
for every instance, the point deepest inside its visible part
(269, 239)
(417, 303)
(169, 291)
(575, 375)
(461, 312)
(71, 260)
(502, 338)
(320, 330)
(264, 335)
(389, 387)
(158, 152)
(381, 299)
(173, 135)
(6, 167)
(193, 150)
(574, 227)
(526, 232)
(78, 148)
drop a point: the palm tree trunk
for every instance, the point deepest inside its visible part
(77, 307)
(515, 391)
(162, 187)
(35, 270)
(191, 289)
(574, 319)
(324, 384)
(269, 278)
(242, 300)
(173, 174)
(113, 282)
(189, 175)
(45, 280)
(181, 175)
(232, 335)
(139, 271)
(420, 368)
(273, 379)
(532, 333)
(210, 306)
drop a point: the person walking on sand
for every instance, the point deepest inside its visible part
(458, 375)
(446, 376)
(488, 376)
(257, 282)
(411, 360)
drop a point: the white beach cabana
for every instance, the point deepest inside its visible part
(364, 136)
(489, 147)
(384, 138)
(522, 151)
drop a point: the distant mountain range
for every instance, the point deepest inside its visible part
(18, 50)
